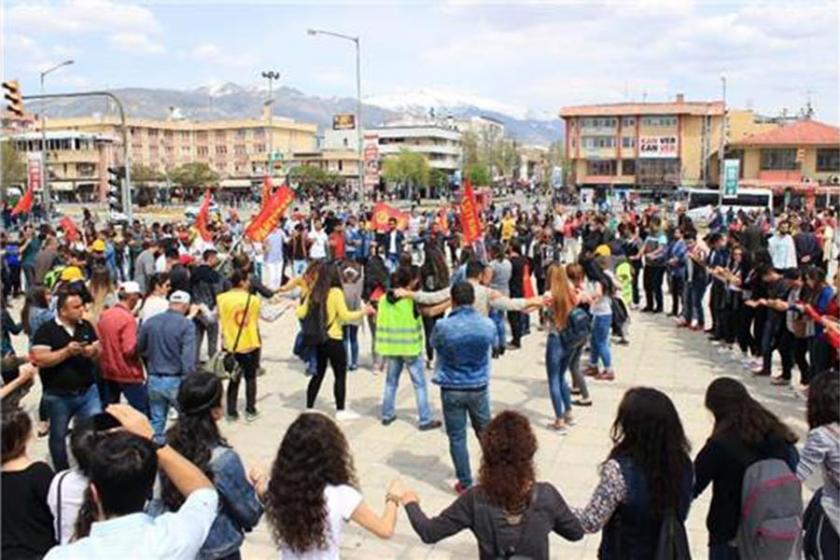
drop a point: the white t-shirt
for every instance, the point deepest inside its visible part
(153, 306)
(318, 250)
(342, 501)
(73, 485)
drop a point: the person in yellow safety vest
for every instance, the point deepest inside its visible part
(399, 339)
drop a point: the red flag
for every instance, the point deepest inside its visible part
(470, 223)
(24, 204)
(203, 215)
(382, 214)
(266, 190)
(71, 232)
(268, 217)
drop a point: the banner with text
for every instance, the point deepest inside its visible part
(731, 170)
(263, 223)
(371, 158)
(657, 146)
(33, 171)
(470, 223)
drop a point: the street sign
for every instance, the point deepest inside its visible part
(731, 168)
(344, 121)
(34, 168)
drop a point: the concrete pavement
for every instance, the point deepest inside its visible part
(677, 361)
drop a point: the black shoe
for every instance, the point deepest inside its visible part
(432, 425)
(388, 421)
(495, 353)
(647, 310)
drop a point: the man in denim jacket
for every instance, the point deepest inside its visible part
(462, 342)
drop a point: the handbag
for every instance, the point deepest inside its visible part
(223, 364)
(673, 541)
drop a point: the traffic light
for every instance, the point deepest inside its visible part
(14, 97)
(116, 175)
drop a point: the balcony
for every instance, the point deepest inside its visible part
(73, 156)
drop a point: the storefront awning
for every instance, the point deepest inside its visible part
(235, 183)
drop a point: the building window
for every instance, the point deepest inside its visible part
(259, 132)
(186, 149)
(598, 141)
(259, 148)
(598, 122)
(202, 151)
(221, 150)
(828, 159)
(185, 135)
(628, 142)
(628, 121)
(779, 159)
(220, 135)
(628, 167)
(240, 133)
(658, 171)
(340, 165)
(201, 136)
(601, 167)
(659, 120)
(152, 133)
(239, 149)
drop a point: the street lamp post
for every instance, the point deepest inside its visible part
(45, 175)
(356, 42)
(722, 143)
(270, 75)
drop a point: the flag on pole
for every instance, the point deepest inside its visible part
(202, 217)
(270, 213)
(470, 223)
(24, 204)
(71, 232)
(382, 214)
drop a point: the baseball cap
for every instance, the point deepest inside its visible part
(179, 296)
(98, 246)
(130, 287)
(71, 274)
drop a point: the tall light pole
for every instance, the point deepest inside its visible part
(45, 174)
(722, 142)
(270, 75)
(355, 41)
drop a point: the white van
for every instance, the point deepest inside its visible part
(701, 203)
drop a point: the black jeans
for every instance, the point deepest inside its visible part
(636, 271)
(249, 363)
(331, 351)
(515, 320)
(677, 283)
(652, 278)
(428, 325)
(716, 303)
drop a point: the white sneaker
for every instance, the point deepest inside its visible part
(346, 415)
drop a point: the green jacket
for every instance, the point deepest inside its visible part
(399, 331)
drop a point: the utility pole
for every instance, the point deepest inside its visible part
(270, 75)
(45, 175)
(722, 147)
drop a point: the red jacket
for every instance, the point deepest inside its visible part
(118, 338)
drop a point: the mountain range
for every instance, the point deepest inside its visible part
(229, 100)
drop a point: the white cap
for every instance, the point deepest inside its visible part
(130, 287)
(179, 296)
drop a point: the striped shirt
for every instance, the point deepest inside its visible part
(822, 449)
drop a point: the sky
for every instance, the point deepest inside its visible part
(526, 57)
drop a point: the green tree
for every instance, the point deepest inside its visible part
(143, 174)
(13, 170)
(478, 174)
(309, 178)
(194, 175)
(438, 178)
(407, 168)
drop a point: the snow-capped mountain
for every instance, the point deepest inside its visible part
(229, 100)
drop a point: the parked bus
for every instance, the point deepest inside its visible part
(701, 203)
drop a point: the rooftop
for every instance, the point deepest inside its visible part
(799, 133)
(619, 109)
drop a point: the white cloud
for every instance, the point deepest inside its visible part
(136, 43)
(211, 53)
(335, 77)
(81, 16)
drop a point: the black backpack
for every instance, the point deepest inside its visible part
(313, 327)
(578, 328)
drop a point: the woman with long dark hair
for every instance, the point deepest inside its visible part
(601, 293)
(326, 298)
(196, 436)
(435, 276)
(377, 281)
(822, 452)
(508, 511)
(822, 296)
(744, 432)
(155, 301)
(313, 492)
(646, 478)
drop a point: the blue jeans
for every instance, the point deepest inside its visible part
(135, 394)
(298, 267)
(693, 305)
(417, 371)
(457, 405)
(498, 317)
(600, 341)
(351, 343)
(60, 410)
(163, 393)
(556, 363)
(392, 261)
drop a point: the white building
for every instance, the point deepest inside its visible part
(440, 144)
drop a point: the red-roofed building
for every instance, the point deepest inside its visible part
(797, 156)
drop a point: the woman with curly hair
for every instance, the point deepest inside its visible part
(196, 436)
(645, 480)
(822, 452)
(744, 432)
(313, 492)
(509, 512)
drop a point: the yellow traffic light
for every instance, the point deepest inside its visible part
(14, 97)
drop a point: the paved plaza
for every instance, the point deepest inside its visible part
(677, 361)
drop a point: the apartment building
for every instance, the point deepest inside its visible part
(440, 144)
(238, 150)
(77, 162)
(344, 163)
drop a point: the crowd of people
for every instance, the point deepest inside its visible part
(141, 335)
